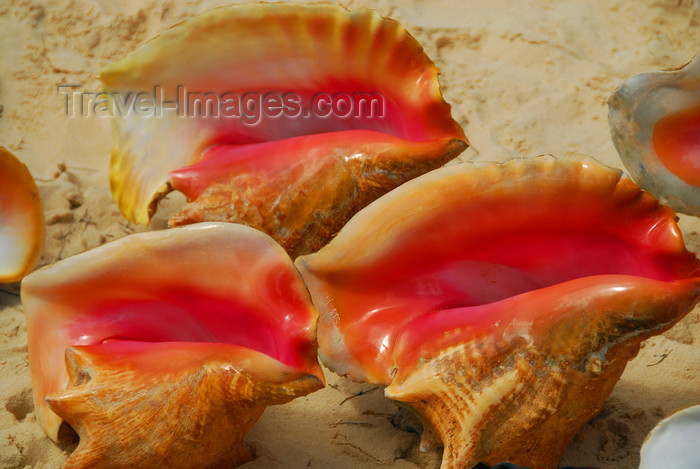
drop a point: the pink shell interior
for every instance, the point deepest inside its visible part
(182, 313)
(280, 49)
(218, 284)
(438, 261)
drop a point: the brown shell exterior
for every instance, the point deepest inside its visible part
(307, 205)
(195, 418)
(522, 397)
(535, 416)
(278, 46)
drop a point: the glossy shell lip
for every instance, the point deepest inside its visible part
(283, 48)
(501, 301)
(218, 284)
(21, 219)
(672, 444)
(500, 241)
(634, 110)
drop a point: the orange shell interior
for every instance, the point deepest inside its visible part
(21, 219)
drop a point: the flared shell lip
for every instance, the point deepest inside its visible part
(26, 194)
(241, 359)
(110, 75)
(133, 71)
(43, 286)
(372, 213)
(83, 264)
(548, 310)
(371, 226)
(633, 109)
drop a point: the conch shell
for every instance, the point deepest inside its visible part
(655, 125)
(174, 342)
(673, 443)
(21, 219)
(298, 176)
(501, 301)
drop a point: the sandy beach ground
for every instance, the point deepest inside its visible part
(524, 78)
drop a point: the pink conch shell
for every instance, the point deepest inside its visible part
(21, 219)
(655, 125)
(176, 341)
(501, 301)
(298, 178)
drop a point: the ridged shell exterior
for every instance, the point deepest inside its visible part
(210, 318)
(190, 415)
(21, 219)
(521, 393)
(634, 109)
(297, 210)
(501, 376)
(304, 49)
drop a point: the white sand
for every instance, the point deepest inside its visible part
(523, 80)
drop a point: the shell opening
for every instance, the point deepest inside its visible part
(448, 270)
(305, 84)
(208, 289)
